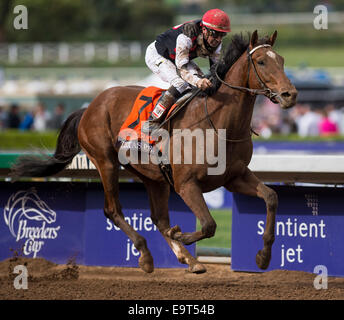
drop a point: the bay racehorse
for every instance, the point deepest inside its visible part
(249, 67)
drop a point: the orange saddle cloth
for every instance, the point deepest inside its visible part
(141, 110)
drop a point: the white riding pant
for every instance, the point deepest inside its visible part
(165, 69)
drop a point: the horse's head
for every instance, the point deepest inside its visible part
(267, 71)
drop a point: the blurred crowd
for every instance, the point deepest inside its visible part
(269, 118)
(37, 119)
(303, 119)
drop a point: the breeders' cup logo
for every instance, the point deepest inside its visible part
(27, 216)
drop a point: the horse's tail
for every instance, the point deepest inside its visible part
(44, 165)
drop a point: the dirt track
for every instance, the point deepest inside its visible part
(66, 282)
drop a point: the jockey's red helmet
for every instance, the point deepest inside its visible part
(217, 20)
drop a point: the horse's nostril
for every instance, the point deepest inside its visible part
(286, 94)
(289, 95)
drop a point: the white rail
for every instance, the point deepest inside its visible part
(269, 168)
(65, 53)
(299, 168)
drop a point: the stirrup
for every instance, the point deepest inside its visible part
(162, 106)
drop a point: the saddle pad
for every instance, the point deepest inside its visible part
(141, 110)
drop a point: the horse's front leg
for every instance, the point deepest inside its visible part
(193, 197)
(158, 195)
(249, 184)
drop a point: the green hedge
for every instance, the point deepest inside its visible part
(24, 140)
(29, 140)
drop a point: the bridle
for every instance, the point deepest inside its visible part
(265, 91)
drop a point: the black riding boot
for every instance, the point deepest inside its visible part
(165, 102)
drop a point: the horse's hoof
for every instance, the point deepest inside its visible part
(146, 263)
(197, 268)
(171, 233)
(262, 261)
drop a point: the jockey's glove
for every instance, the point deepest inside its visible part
(204, 84)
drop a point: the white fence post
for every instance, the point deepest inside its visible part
(135, 51)
(13, 53)
(37, 53)
(63, 50)
(113, 52)
(64, 53)
(89, 52)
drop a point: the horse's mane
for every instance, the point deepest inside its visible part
(237, 46)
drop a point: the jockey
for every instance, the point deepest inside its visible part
(170, 55)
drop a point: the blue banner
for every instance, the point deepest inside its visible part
(63, 221)
(304, 147)
(309, 230)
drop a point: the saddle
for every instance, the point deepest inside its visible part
(141, 110)
(130, 135)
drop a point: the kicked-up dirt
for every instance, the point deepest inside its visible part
(49, 281)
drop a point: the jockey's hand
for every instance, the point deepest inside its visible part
(204, 84)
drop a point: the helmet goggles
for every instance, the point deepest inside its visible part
(215, 34)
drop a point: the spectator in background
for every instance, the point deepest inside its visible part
(41, 118)
(3, 118)
(264, 129)
(327, 127)
(27, 122)
(307, 121)
(341, 121)
(287, 125)
(272, 114)
(333, 114)
(13, 119)
(58, 117)
(336, 115)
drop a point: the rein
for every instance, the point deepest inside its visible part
(265, 91)
(179, 108)
(212, 125)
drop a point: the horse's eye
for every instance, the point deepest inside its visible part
(261, 63)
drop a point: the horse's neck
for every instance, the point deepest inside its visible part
(236, 107)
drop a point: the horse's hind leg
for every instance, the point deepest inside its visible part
(108, 168)
(249, 184)
(159, 193)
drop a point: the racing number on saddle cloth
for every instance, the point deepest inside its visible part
(140, 112)
(148, 100)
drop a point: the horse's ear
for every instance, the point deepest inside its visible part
(254, 39)
(273, 38)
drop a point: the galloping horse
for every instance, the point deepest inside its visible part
(249, 67)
